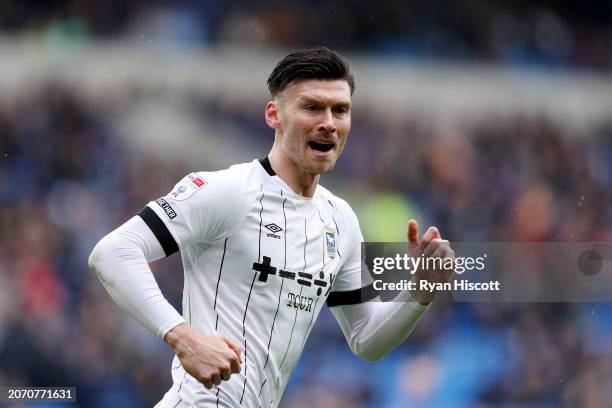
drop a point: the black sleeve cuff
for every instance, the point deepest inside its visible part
(352, 297)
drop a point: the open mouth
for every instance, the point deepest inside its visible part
(321, 147)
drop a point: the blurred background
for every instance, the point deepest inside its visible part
(491, 120)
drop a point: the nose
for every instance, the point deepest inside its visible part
(327, 124)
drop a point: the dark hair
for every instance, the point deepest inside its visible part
(313, 63)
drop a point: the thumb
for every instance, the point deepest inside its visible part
(413, 234)
(435, 233)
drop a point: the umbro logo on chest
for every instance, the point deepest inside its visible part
(273, 228)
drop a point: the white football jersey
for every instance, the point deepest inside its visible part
(260, 262)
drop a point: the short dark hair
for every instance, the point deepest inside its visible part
(313, 63)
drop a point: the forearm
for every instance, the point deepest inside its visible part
(373, 329)
(120, 262)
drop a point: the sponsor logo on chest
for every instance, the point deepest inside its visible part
(265, 269)
(299, 302)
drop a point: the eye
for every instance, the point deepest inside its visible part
(312, 108)
(340, 109)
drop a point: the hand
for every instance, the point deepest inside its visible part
(209, 359)
(431, 245)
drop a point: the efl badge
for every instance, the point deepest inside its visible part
(330, 242)
(187, 186)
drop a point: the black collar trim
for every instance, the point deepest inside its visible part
(265, 163)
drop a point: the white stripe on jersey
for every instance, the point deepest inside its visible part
(259, 263)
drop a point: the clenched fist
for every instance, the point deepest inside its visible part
(208, 359)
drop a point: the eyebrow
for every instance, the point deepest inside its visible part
(308, 99)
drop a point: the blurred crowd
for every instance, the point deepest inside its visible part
(540, 33)
(67, 178)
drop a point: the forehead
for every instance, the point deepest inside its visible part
(322, 90)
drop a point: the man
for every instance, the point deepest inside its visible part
(264, 247)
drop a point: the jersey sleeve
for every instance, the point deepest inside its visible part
(371, 329)
(202, 207)
(352, 284)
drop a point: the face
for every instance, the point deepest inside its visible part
(312, 118)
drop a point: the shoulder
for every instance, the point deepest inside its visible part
(236, 177)
(211, 204)
(228, 193)
(231, 183)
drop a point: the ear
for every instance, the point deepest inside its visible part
(272, 114)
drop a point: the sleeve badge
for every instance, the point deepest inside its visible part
(187, 187)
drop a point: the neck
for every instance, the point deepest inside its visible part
(301, 183)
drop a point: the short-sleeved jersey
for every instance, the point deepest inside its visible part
(260, 262)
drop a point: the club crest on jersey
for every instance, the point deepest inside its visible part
(187, 187)
(330, 242)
